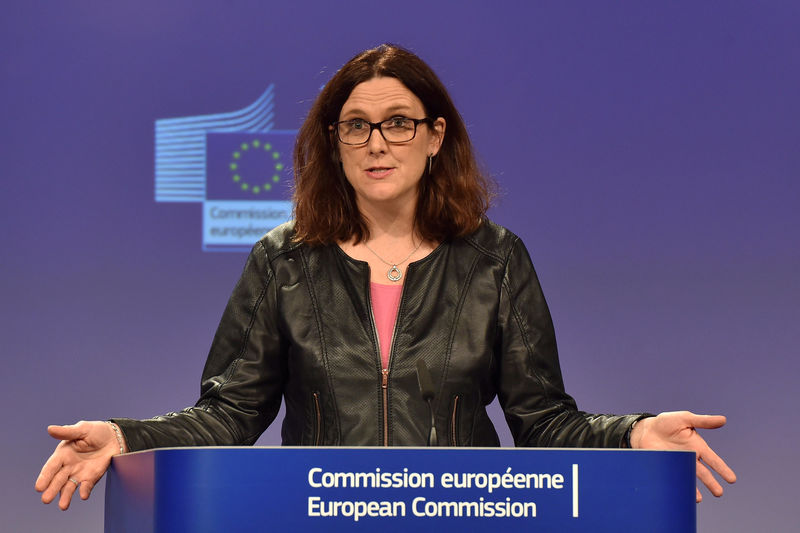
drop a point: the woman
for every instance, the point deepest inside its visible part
(390, 261)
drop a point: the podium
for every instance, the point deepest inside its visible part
(238, 489)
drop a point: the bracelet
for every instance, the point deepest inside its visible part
(118, 434)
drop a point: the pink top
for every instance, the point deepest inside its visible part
(385, 302)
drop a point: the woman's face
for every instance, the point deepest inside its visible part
(387, 174)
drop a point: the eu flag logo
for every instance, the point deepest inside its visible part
(249, 166)
(235, 164)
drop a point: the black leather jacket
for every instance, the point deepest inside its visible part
(299, 325)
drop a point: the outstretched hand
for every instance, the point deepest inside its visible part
(80, 459)
(678, 431)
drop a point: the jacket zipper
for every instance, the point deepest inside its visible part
(385, 371)
(453, 424)
(384, 374)
(318, 416)
(385, 387)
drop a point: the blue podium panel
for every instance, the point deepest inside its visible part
(177, 490)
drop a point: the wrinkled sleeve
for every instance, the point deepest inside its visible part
(243, 378)
(531, 390)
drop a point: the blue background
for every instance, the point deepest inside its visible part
(646, 152)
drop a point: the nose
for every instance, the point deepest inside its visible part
(376, 143)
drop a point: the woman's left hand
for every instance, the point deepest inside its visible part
(677, 430)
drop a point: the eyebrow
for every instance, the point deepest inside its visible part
(389, 111)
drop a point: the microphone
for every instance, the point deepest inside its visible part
(428, 392)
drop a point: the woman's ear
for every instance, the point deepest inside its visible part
(337, 158)
(437, 136)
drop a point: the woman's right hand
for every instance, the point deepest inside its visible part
(81, 458)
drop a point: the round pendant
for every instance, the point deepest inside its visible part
(394, 273)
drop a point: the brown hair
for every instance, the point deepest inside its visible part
(452, 199)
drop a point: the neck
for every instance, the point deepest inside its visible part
(389, 221)
(393, 242)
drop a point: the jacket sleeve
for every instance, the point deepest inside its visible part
(531, 390)
(243, 377)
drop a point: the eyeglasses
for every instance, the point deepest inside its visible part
(394, 130)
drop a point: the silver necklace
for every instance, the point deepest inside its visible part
(394, 273)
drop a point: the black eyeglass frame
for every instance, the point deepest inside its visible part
(377, 126)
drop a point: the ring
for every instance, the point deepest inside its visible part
(74, 481)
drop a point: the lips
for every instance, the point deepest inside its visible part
(379, 172)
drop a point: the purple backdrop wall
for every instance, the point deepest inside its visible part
(647, 154)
